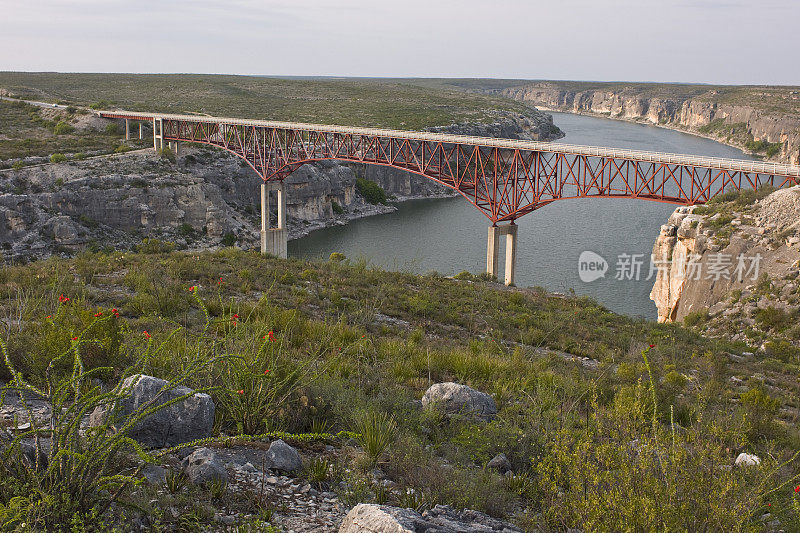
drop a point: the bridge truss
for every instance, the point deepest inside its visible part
(504, 178)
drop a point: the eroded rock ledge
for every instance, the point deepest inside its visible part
(718, 235)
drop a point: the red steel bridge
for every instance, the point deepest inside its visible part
(504, 178)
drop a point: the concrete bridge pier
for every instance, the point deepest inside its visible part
(158, 134)
(127, 130)
(140, 130)
(493, 250)
(174, 146)
(274, 240)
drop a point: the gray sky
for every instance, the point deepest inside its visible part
(714, 41)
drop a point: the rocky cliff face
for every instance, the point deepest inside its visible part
(701, 114)
(196, 202)
(725, 262)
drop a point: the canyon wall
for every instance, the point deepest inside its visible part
(703, 113)
(725, 261)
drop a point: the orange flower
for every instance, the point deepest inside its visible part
(240, 392)
(49, 316)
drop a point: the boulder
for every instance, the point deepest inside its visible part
(203, 466)
(184, 421)
(283, 457)
(454, 398)
(500, 463)
(372, 518)
(746, 459)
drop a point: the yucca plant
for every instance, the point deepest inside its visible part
(374, 433)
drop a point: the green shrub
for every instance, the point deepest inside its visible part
(58, 158)
(696, 318)
(19, 164)
(337, 257)
(166, 153)
(337, 209)
(155, 246)
(113, 129)
(79, 156)
(62, 128)
(228, 239)
(122, 148)
(773, 318)
(371, 191)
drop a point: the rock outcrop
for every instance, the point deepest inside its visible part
(730, 259)
(189, 419)
(455, 398)
(283, 458)
(371, 518)
(697, 113)
(203, 466)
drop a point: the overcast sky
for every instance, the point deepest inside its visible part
(714, 41)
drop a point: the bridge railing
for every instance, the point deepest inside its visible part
(756, 167)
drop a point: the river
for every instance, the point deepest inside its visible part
(449, 235)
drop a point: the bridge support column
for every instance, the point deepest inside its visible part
(274, 241)
(127, 130)
(493, 251)
(140, 130)
(158, 134)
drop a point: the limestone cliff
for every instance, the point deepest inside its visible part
(711, 261)
(738, 122)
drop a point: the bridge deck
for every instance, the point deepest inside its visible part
(756, 167)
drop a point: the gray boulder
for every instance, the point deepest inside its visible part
(203, 466)
(372, 518)
(283, 457)
(454, 398)
(500, 463)
(184, 421)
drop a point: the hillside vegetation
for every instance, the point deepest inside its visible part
(609, 423)
(347, 101)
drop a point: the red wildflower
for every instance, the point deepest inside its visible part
(115, 312)
(271, 336)
(220, 282)
(49, 316)
(191, 289)
(235, 323)
(652, 345)
(74, 338)
(234, 317)
(146, 335)
(240, 392)
(769, 505)
(98, 314)
(63, 299)
(267, 372)
(797, 488)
